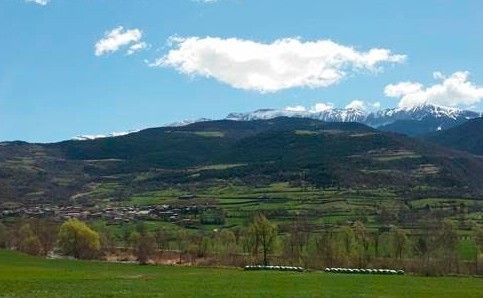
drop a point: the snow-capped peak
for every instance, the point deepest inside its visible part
(187, 122)
(435, 110)
(264, 114)
(374, 119)
(110, 135)
(442, 117)
(418, 113)
(329, 115)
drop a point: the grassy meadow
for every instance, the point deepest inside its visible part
(25, 276)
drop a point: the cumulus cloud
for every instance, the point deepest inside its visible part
(205, 1)
(316, 108)
(376, 105)
(137, 47)
(356, 104)
(454, 90)
(320, 107)
(118, 38)
(270, 67)
(39, 2)
(296, 109)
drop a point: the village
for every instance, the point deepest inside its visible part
(187, 215)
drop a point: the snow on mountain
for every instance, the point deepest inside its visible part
(265, 114)
(93, 137)
(418, 113)
(432, 117)
(341, 115)
(329, 115)
(374, 119)
(187, 122)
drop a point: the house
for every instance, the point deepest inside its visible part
(187, 197)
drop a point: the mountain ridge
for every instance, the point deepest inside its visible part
(252, 153)
(414, 121)
(465, 137)
(443, 117)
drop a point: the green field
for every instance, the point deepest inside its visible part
(24, 276)
(283, 202)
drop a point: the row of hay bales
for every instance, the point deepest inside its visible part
(273, 268)
(364, 271)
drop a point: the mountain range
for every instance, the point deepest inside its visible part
(412, 121)
(297, 150)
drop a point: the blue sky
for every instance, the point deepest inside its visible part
(71, 67)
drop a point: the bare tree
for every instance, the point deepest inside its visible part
(425, 245)
(448, 241)
(224, 243)
(363, 241)
(327, 247)
(3, 236)
(347, 243)
(161, 237)
(478, 239)
(182, 241)
(28, 242)
(298, 239)
(265, 234)
(145, 248)
(399, 240)
(46, 230)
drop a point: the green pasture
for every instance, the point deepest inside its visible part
(285, 201)
(25, 276)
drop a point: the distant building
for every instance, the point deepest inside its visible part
(187, 197)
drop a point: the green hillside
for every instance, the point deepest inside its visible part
(283, 150)
(466, 137)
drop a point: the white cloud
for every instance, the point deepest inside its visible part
(401, 89)
(438, 75)
(317, 108)
(137, 47)
(356, 104)
(205, 1)
(296, 109)
(39, 2)
(320, 107)
(454, 90)
(117, 38)
(270, 67)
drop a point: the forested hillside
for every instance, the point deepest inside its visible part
(255, 153)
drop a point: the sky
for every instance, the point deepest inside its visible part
(73, 67)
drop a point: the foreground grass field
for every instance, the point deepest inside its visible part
(24, 276)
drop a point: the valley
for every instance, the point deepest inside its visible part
(312, 176)
(235, 148)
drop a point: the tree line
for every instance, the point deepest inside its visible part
(432, 250)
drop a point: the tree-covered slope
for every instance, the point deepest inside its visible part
(465, 137)
(291, 150)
